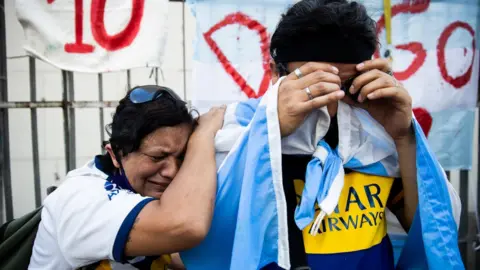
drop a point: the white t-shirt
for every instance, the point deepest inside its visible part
(87, 220)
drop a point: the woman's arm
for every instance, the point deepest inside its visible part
(181, 218)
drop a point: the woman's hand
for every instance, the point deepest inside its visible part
(384, 98)
(295, 103)
(212, 121)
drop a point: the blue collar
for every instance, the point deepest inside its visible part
(117, 178)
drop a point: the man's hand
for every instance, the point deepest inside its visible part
(389, 103)
(384, 98)
(294, 103)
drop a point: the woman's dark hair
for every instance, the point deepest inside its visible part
(132, 122)
(324, 30)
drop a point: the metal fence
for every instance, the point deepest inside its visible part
(467, 231)
(68, 105)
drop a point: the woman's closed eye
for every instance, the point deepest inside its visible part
(157, 158)
(181, 157)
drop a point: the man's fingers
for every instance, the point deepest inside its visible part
(316, 77)
(312, 67)
(382, 82)
(319, 102)
(364, 79)
(382, 64)
(389, 92)
(322, 88)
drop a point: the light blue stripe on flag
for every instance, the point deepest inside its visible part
(432, 239)
(244, 232)
(376, 168)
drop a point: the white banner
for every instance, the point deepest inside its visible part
(95, 35)
(436, 57)
(434, 52)
(232, 56)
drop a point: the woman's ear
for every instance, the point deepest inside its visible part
(274, 72)
(109, 149)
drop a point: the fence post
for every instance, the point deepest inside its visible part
(477, 204)
(463, 230)
(184, 53)
(100, 98)
(69, 120)
(129, 80)
(5, 174)
(33, 120)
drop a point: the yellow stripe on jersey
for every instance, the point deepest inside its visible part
(104, 265)
(358, 222)
(161, 263)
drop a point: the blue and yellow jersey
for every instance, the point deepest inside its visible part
(354, 236)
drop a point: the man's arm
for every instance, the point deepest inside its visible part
(406, 148)
(181, 218)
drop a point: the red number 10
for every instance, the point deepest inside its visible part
(97, 21)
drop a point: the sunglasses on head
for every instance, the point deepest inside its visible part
(147, 93)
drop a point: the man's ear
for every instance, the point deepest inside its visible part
(115, 162)
(274, 72)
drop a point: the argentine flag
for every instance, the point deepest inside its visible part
(249, 227)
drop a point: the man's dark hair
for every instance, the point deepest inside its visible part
(133, 122)
(325, 31)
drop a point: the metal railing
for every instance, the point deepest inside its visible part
(5, 177)
(68, 106)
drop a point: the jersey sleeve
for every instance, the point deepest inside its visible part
(93, 219)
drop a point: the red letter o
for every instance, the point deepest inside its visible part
(442, 42)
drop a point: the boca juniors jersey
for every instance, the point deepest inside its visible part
(354, 236)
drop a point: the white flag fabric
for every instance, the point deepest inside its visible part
(95, 35)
